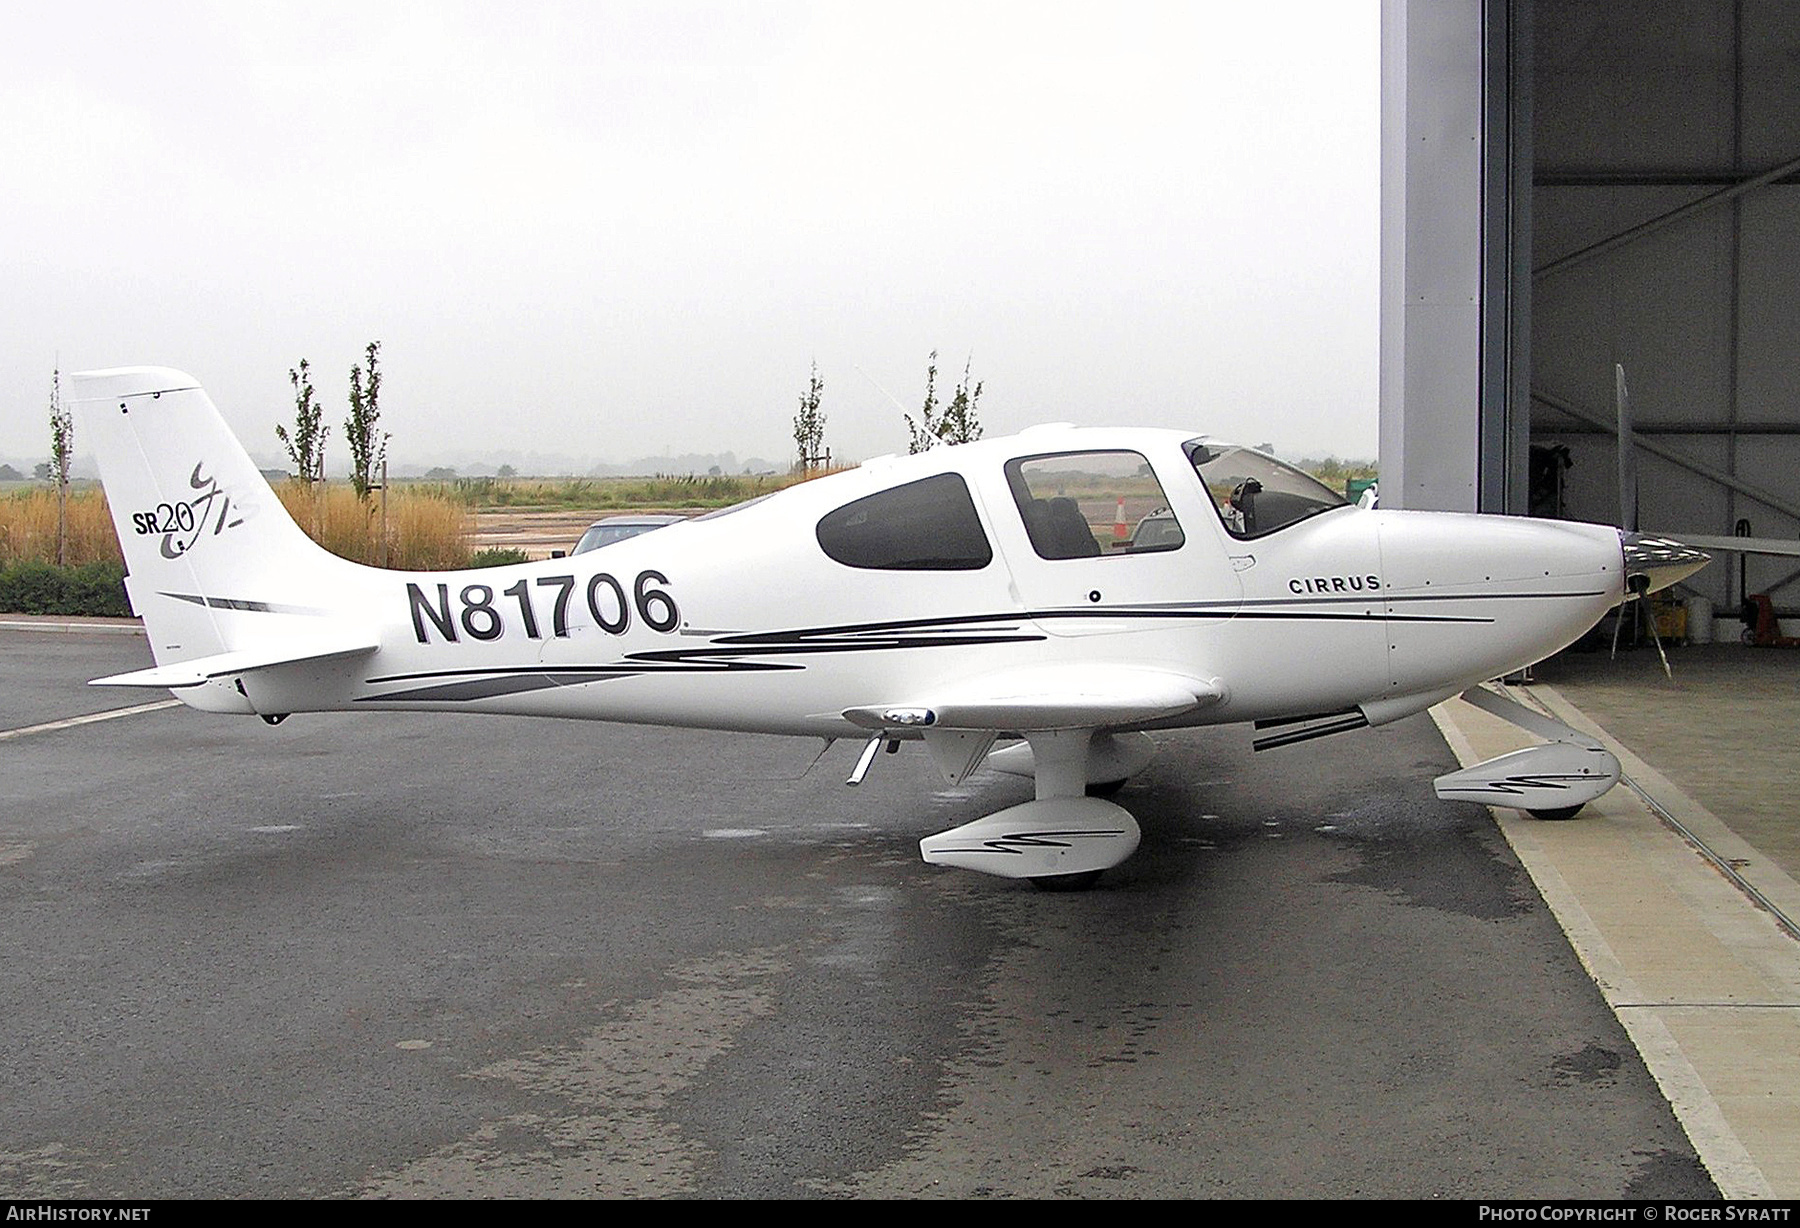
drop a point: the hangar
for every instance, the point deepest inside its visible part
(1568, 185)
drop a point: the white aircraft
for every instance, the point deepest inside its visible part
(958, 597)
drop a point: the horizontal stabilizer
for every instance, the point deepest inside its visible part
(1048, 697)
(200, 670)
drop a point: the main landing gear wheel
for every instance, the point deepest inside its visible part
(1105, 788)
(1067, 882)
(1556, 814)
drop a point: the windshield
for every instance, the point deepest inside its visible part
(1255, 494)
(605, 534)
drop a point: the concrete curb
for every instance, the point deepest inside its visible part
(31, 622)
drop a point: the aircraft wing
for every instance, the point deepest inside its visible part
(1069, 696)
(204, 669)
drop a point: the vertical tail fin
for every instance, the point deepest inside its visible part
(205, 538)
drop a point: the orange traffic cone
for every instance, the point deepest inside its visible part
(1120, 532)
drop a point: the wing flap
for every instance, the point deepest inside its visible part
(1049, 697)
(200, 670)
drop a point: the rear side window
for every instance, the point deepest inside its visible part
(928, 525)
(1092, 505)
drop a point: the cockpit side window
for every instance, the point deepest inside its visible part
(928, 525)
(1255, 494)
(1092, 505)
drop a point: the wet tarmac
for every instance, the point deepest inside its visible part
(423, 955)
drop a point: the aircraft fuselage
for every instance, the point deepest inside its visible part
(741, 621)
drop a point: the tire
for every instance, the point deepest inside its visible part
(1105, 788)
(1556, 814)
(1067, 882)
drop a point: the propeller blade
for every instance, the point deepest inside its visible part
(1628, 490)
(1744, 545)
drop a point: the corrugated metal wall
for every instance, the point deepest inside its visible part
(1640, 110)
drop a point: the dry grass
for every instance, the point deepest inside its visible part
(28, 528)
(426, 531)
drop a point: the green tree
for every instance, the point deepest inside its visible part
(957, 422)
(306, 447)
(62, 451)
(809, 424)
(960, 423)
(368, 443)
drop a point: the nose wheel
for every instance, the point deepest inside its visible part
(1067, 882)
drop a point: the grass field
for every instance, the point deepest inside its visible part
(605, 494)
(425, 530)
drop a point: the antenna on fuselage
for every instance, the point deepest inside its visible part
(931, 440)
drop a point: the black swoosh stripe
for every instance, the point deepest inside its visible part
(725, 653)
(246, 605)
(488, 688)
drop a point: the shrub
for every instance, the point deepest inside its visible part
(91, 590)
(498, 556)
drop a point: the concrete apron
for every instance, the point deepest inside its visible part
(1705, 981)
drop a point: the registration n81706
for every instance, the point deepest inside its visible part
(483, 612)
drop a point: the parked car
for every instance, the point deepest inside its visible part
(618, 528)
(1157, 531)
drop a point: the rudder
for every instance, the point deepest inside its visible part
(202, 532)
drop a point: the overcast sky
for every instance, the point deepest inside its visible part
(618, 229)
